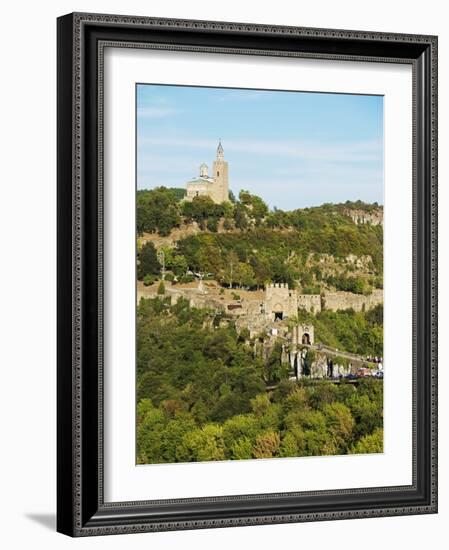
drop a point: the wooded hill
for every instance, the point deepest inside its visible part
(201, 389)
(201, 395)
(243, 243)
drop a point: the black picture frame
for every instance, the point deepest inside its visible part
(81, 510)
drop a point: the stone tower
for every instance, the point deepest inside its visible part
(303, 335)
(214, 186)
(220, 175)
(280, 302)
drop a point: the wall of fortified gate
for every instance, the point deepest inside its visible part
(358, 302)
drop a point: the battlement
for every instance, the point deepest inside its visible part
(310, 302)
(277, 285)
(280, 301)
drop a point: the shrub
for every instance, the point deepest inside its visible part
(149, 280)
(266, 444)
(227, 224)
(371, 443)
(212, 224)
(147, 261)
(187, 278)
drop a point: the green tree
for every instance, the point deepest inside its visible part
(149, 433)
(147, 261)
(179, 265)
(296, 400)
(243, 275)
(260, 404)
(173, 435)
(371, 443)
(201, 209)
(340, 423)
(266, 444)
(157, 210)
(367, 414)
(241, 449)
(149, 279)
(208, 260)
(239, 434)
(202, 444)
(240, 216)
(289, 446)
(275, 370)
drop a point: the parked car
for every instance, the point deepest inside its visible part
(362, 372)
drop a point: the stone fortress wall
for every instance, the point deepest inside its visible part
(358, 302)
(280, 299)
(280, 303)
(268, 319)
(310, 302)
(314, 303)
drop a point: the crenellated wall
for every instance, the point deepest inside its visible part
(310, 302)
(280, 300)
(358, 302)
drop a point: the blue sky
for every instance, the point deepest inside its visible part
(293, 149)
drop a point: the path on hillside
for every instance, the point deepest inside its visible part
(337, 353)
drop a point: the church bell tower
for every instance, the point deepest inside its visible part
(220, 175)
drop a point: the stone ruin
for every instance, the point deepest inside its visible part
(270, 321)
(280, 302)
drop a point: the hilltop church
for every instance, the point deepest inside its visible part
(215, 186)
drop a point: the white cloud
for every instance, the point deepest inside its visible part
(358, 151)
(156, 112)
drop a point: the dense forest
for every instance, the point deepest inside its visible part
(355, 332)
(201, 385)
(201, 392)
(243, 243)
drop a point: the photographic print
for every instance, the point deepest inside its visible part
(247, 246)
(259, 265)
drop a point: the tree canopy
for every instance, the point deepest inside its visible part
(264, 246)
(202, 395)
